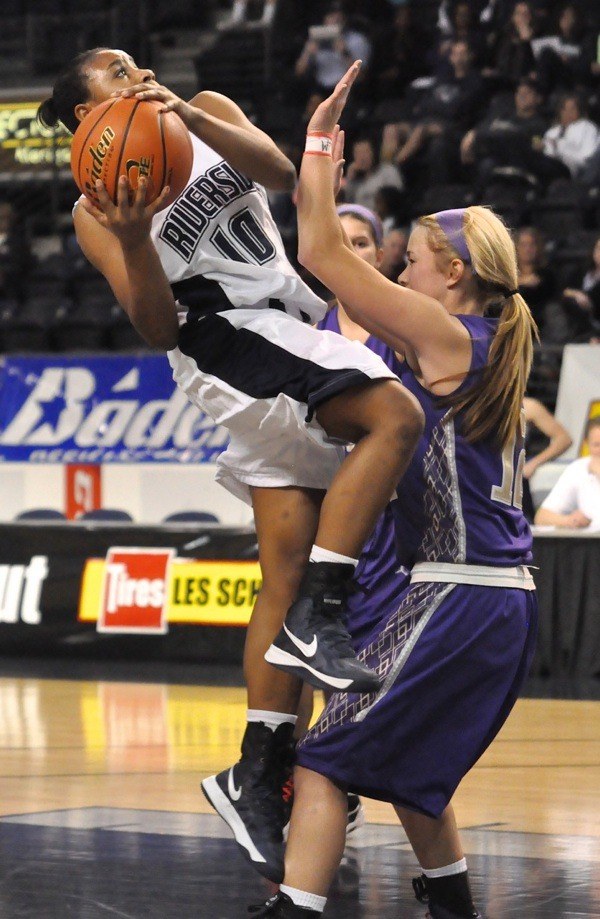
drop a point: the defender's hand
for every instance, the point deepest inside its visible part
(328, 113)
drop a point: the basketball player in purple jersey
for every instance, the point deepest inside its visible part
(453, 655)
(378, 577)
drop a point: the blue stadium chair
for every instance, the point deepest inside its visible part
(28, 327)
(82, 328)
(41, 513)
(108, 514)
(191, 517)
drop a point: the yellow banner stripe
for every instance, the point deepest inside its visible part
(199, 592)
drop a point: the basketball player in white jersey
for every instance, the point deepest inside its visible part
(207, 280)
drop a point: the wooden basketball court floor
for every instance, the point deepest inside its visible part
(101, 815)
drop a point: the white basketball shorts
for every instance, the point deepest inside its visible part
(261, 373)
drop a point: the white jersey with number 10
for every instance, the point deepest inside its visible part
(221, 227)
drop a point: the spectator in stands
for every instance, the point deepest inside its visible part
(461, 24)
(574, 502)
(582, 303)
(365, 176)
(394, 254)
(589, 64)
(329, 51)
(574, 140)
(397, 57)
(536, 282)
(390, 207)
(559, 57)
(559, 440)
(514, 57)
(448, 109)
(511, 139)
(15, 255)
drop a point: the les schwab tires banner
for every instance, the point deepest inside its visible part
(177, 594)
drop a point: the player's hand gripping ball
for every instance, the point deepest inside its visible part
(131, 137)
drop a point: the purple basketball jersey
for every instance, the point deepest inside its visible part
(461, 502)
(452, 656)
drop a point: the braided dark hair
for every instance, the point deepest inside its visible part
(70, 89)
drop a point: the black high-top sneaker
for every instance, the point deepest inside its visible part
(447, 898)
(314, 643)
(281, 907)
(248, 796)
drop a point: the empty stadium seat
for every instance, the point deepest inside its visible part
(27, 328)
(82, 328)
(41, 513)
(191, 517)
(108, 514)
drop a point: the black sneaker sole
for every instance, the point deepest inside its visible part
(224, 808)
(283, 660)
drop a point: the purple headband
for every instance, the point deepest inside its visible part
(357, 210)
(451, 223)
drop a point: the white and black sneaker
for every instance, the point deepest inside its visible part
(313, 643)
(248, 796)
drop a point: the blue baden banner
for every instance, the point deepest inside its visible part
(105, 409)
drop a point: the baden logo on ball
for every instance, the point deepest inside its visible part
(134, 138)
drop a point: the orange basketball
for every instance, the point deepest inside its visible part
(128, 136)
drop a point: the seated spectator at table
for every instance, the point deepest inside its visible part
(581, 300)
(510, 139)
(514, 57)
(559, 440)
(365, 176)
(448, 108)
(330, 49)
(536, 282)
(574, 140)
(559, 56)
(394, 254)
(574, 502)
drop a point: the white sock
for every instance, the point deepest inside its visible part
(302, 898)
(271, 719)
(447, 870)
(317, 554)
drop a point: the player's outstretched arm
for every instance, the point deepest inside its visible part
(116, 240)
(221, 124)
(397, 315)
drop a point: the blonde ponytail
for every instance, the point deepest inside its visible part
(492, 406)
